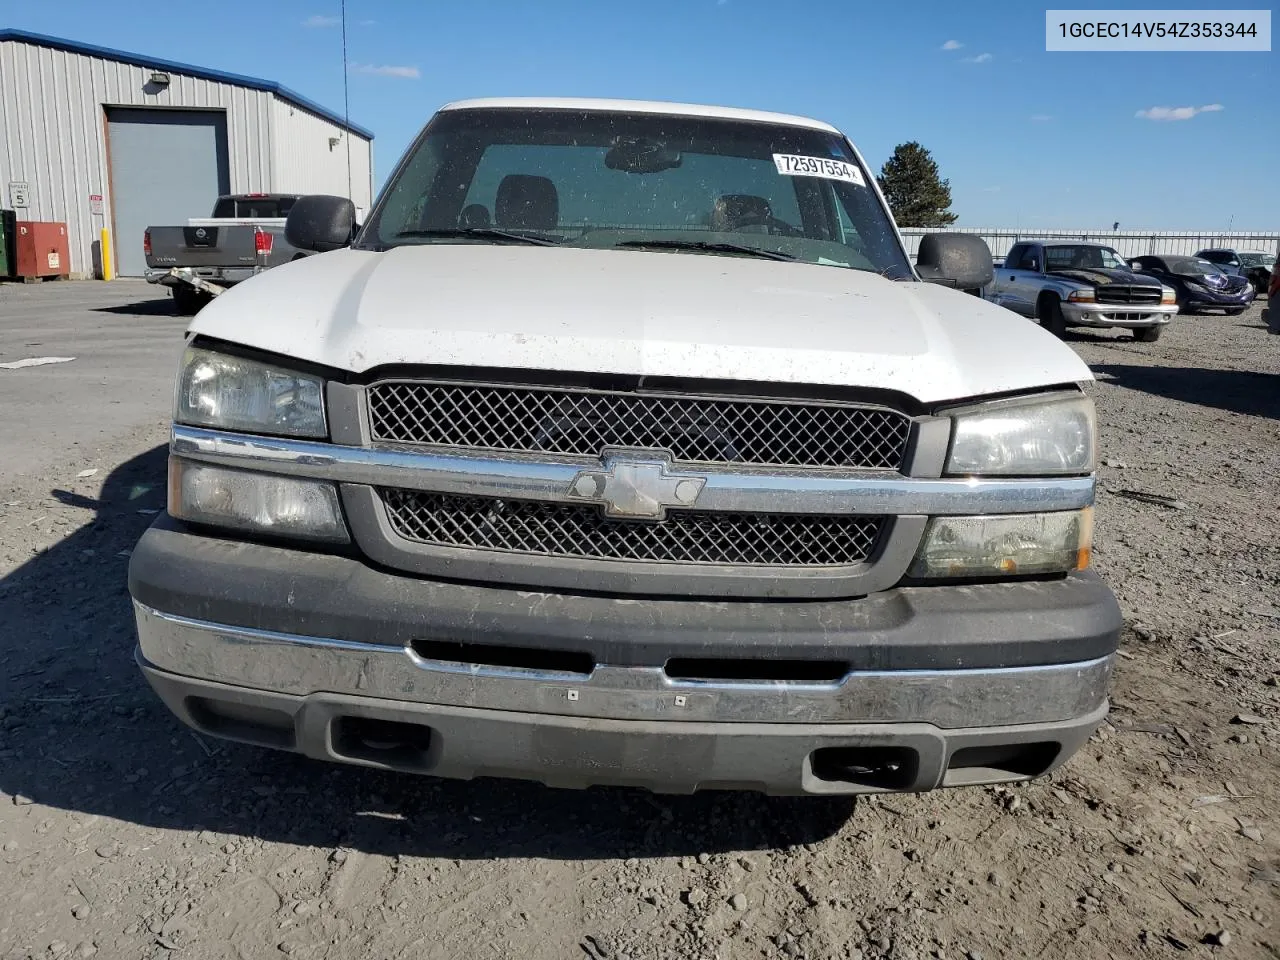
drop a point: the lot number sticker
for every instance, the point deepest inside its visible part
(791, 165)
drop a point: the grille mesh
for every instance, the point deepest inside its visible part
(686, 536)
(1123, 293)
(693, 429)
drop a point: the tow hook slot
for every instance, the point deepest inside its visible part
(386, 743)
(876, 768)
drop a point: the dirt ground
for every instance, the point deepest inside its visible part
(122, 834)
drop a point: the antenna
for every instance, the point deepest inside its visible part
(346, 99)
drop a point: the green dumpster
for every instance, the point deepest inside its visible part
(7, 251)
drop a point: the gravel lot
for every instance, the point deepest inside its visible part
(125, 835)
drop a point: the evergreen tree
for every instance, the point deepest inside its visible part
(917, 196)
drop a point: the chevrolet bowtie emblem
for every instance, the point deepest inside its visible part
(636, 488)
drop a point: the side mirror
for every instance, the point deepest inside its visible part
(321, 223)
(959, 260)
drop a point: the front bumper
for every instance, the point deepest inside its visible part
(1128, 316)
(1209, 300)
(303, 651)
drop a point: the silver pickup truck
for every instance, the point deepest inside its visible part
(205, 256)
(1078, 284)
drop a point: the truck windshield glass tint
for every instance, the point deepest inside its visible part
(601, 180)
(1083, 258)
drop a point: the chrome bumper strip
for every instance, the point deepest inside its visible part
(301, 665)
(867, 493)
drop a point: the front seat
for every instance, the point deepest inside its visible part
(732, 209)
(473, 216)
(526, 202)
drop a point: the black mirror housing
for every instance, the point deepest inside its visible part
(321, 223)
(960, 260)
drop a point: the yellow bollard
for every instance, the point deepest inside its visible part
(105, 248)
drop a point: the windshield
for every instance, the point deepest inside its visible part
(1258, 260)
(1059, 257)
(258, 208)
(1195, 267)
(1215, 256)
(608, 180)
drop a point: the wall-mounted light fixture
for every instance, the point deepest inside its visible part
(160, 79)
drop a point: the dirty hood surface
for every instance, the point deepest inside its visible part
(638, 313)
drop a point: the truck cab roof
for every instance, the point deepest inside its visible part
(637, 106)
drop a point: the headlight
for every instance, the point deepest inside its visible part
(218, 390)
(1026, 543)
(255, 502)
(1168, 295)
(1026, 436)
(1082, 296)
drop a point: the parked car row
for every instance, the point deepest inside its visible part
(1254, 265)
(1081, 284)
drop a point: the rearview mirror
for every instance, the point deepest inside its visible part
(959, 260)
(641, 156)
(321, 223)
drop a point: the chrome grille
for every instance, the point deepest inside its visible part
(1123, 293)
(582, 422)
(686, 536)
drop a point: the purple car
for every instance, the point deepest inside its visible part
(1200, 285)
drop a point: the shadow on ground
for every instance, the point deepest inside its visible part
(1255, 394)
(80, 730)
(159, 307)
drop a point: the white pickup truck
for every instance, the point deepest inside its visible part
(624, 444)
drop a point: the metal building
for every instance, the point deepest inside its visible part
(104, 139)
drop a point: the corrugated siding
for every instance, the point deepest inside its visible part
(305, 163)
(52, 133)
(1128, 243)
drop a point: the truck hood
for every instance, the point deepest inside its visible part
(638, 313)
(1101, 276)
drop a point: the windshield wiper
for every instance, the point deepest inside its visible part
(708, 246)
(481, 233)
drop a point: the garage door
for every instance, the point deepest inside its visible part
(166, 166)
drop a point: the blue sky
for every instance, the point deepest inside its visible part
(1026, 137)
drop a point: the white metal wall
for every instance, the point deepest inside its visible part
(1128, 243)
(52, 133)
(304, 162)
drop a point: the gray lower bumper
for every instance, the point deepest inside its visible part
(1129, 316)
(664, 755)
(888, 730)
(337, 659)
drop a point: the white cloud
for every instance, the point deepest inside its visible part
(952, 45)
(386, 70)
(980, 58)
(1041, 117)
(1176, 113)
(320, 20)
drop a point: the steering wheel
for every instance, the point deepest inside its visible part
(772, 224)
